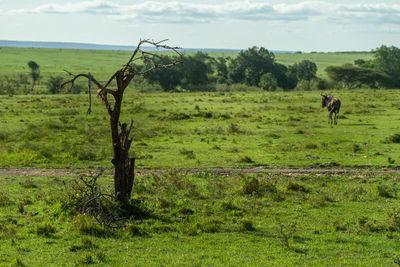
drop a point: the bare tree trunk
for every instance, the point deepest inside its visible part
(33, 85)
(124, 167)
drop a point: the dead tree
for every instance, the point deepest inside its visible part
(124, 166)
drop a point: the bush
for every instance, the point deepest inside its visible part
(178, 116)
(189, 154)
(233, 128)
(386, 191)
(310, 146)
(251, 185)
(268, 82)
(393, 139)
(45, 229)
(356, 148)
(5, 200)
(134, 229)
(54, 84)
(86, 259)
(246, 159)
(85, 225)
(293, 186)
(17, 262)
(247, 225)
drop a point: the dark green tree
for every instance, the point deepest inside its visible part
(268, 82)
(284, 76)
(250, 65)
(387, 59)
(306, 70)
(34, 73)
(221, 68)
(168, 78)
(196, 69)
(351, 77)
(364, 63)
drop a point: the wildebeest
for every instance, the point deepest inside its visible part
(332, 104)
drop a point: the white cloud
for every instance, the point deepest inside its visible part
(183, 12)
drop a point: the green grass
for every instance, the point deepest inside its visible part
(214, 220)
(202, 130)
(323, 60)
(102, 64)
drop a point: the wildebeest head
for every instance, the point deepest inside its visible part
(325, 99)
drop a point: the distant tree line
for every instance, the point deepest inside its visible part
(251, 69)
(254, 67)
(381, 72)
(257, 67)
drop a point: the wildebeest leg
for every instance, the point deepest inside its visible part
(330, 118)
(336, 117)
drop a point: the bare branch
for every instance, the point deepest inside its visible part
(103, 90)
(81, 75)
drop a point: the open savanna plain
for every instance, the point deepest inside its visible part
(223, 178)
(103, 63)
(205, 217)
(203, 130)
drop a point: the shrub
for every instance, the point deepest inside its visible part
(54, 84)
(28, 183)
(250, 185)
(189, 154)
(394, 220)
(321, 200)
(85, 225)
(21, 207)
(196, 228)
(356, 148)
(247, 225)
(4, 136)
(178, 116)
(246, 159)
(86, 259)
(386, 191)
(134, 229)
(310, 146)
(17, 262)
(228, 206)
(393, 139)
(268, 82)
(233, 128)
(101, 256)
(293, 186)
(45, 229)
(4, 199)
(286, 232)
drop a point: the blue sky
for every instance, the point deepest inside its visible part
(343, 25)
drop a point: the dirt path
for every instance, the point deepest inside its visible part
(221, 171)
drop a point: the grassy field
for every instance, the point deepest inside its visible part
(202, 130)
(102, 64)
(202, 219)
(323, 60)
(209, 220)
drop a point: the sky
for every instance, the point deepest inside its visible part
(343, 25)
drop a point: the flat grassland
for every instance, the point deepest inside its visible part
(103, 63)
(204, 218)
(203, 130)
